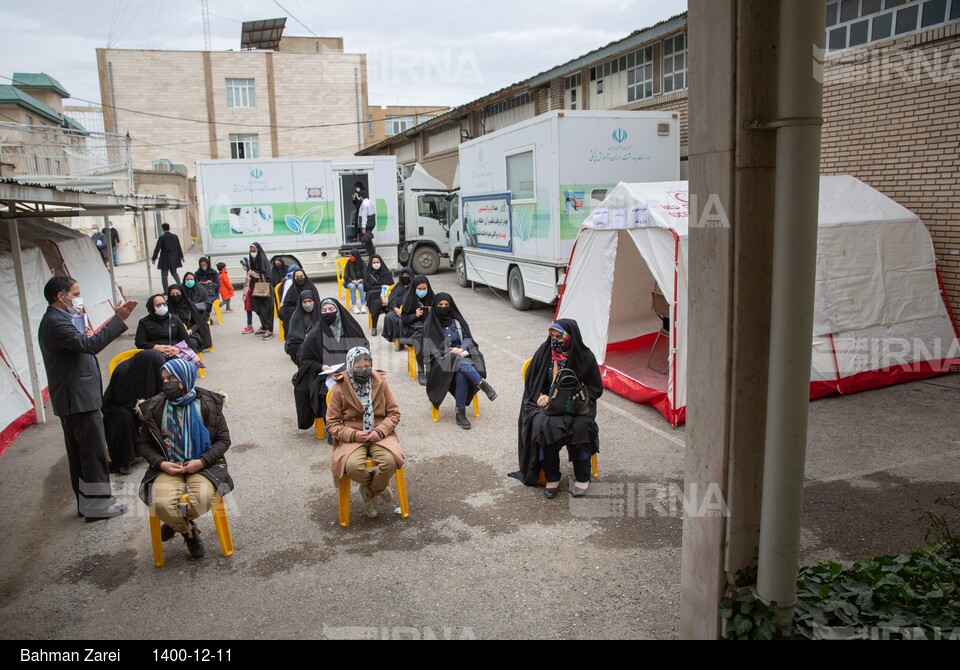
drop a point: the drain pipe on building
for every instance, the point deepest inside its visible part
(800, 105)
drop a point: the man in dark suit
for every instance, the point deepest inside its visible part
(170, 253)
(76, 391)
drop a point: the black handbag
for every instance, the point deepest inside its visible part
(568, 395)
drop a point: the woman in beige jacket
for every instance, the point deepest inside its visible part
(362, 417)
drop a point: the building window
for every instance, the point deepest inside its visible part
(58, 167)
(244, 146)
(571, 84)
(521, 176)
(240, 93)
(49, 166)
(399, 124)
(675, 63)
(370, 125)
(640, 78)
(855, 23)
(29, 120)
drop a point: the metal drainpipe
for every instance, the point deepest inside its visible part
(800, 107)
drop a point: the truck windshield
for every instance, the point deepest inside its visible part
(433, 207)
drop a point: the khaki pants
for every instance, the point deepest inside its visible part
(378, 477)
(167, 490)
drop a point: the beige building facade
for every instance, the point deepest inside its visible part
(309, 98)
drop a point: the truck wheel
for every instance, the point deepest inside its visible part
(462, 271)
(515, 287)
(426, 261)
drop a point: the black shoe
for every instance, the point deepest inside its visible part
(422, 378)
(373, 333)
(166, 532)
(114, 510)
(192, 539)
(578, 492)
(124, 469)
(462, 419)
(487, 390)
(550, 494)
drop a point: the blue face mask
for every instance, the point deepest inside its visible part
(189, 283)
(421, 294)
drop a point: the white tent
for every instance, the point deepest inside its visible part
(16, 399)
(881, 317)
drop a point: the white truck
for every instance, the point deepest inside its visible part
(527, 189)
(305, 207)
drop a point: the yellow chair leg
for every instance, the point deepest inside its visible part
(595, 466)
(396, 345)
(543, 478)
(411, 362)
(435, 413)
(402, 493)
(216, 308)
(339, 289)
(344, 501)
(319, 425)
(369, 320)
(476, 406)
(155, 541)
(281, 330)
(223, 526)
(202, 370)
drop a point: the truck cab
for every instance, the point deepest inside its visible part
(427, 210)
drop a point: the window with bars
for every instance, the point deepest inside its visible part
(855, 23)
(675, 63)
(244, 146)
(240, 93)
(640, 77)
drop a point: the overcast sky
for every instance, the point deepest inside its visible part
(426, 52)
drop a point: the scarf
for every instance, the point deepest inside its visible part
(560, 351)
(364, 391)
(337, 327)
(185, 436)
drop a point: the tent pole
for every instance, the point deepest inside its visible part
(110, 266)
(25, 320)
(146, 250)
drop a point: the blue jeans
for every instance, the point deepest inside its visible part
(465, 377)
(115, 256)
(357, 294)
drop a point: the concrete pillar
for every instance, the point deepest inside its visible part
(733, 79)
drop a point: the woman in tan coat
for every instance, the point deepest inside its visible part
(362, 417)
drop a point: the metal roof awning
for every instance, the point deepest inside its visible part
(262, 34)
(19, 200)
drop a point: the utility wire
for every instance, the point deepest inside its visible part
(294, 18)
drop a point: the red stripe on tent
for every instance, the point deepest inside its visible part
(566, 276)
(875, 379)
(11, 432)
(673, 326)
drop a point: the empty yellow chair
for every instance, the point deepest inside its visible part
(121, 357)
(219, 521)
(344, 495)
(341, 266)
(435, 411)
(594, 461)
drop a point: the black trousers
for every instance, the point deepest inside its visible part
(87, 457)
(551, 465)
(165, 281)
(375, 307)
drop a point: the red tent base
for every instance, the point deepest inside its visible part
(875, 379)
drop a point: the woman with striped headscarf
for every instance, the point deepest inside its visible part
(183, 438)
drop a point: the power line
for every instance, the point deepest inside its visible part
(294, 18)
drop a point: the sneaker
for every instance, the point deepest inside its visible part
(229, 310)
(247, 330)
(422, 379)
(192, 539)
(363, 309)
(356, 309)
(259, 331)
(268, 334)
(386, 495)
(369, 501)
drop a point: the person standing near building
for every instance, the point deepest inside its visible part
(367, 223)
(100, 240)
(69, 351)
(114, 240)
(170, 256)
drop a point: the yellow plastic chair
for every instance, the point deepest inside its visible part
(344, 495)
(276, 293)
(121, 357)
(202, 371)
(435, 411)
(216, 308)
(320, 423)
(341, 266)
(411, 361)
(219, 521)
(594, 461)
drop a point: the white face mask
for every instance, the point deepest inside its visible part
(308, 306)
(376, 266)
(254, 253)
(358, 190)
(75, 306)
(161, 310)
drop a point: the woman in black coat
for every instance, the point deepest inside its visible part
(209, 279)
(391, 320)
(304, 319)
(325, 346)
(197, 294)
(291, 298)
(183, 442)
(259, 272)
(161, 329)
(539, 431)
(278, 271)
(353, 282)
(132, 380)
(413, 314)
(184, 308)
(375, 280)
(453, 360)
